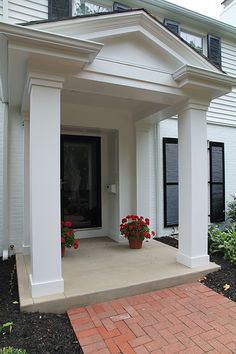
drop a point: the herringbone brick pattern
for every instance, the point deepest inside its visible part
(186, 319)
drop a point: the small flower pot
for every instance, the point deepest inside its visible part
(63, 249)
(135, 244)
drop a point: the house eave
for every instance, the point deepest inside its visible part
(195, 16)
(43, 42)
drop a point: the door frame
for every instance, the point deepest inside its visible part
(85, 138)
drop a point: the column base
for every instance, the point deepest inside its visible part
(192, 262)
(46, 288)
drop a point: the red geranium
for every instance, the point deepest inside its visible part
(68, 235)
(133, 227)
(76, 244)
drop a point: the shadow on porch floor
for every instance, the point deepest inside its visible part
(101, 270)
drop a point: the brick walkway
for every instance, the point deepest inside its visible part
(186, 319)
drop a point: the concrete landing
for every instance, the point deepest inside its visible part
(102, 270)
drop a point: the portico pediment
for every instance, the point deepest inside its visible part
(132, 37)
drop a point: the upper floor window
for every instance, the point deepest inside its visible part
(82, 7)
(194, 40)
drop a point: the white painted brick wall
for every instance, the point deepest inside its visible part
(16, 179)
(1, 175)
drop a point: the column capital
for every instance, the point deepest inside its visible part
(194, 104)
(43, 79)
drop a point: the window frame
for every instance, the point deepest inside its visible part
(165, 183)
(211, 183)
(197, 35)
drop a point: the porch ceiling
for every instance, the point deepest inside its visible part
(136, 108)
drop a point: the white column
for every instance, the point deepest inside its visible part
(193, 180)
(4, 242)
(26, 235)
(44, 151)
(143, 151)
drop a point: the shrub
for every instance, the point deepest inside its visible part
(222, 242)
(231, 210)
(10, 350)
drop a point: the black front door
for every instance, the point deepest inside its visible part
(81, 180)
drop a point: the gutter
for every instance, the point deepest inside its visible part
(182, 11)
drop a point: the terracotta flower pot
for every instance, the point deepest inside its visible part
(63, 249)
(135, 244)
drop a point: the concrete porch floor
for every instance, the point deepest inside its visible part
(102, 270)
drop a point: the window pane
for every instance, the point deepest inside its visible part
(217, 203)
(194, 40)
(81, 199)
(172, 197)
(217, 164)
(86, 8)
(171, 163)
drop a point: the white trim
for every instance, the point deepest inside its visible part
(46, 288)
(192, 262)
(28, 35)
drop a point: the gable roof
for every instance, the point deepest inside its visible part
(102, 14)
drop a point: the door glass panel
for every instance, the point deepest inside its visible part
(81, 185)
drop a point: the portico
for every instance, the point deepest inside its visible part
(115, 83)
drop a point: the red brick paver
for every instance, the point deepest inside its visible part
(189, 318)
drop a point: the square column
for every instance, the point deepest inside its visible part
(26, 236)
(143, 151)
(193, 185)
(44, 155)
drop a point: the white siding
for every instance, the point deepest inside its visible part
(27, 10)
(1, 9)
(223, 109)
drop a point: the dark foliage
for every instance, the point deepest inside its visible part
(38, 333)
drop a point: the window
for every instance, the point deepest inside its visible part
(171, 199)
(195, 41)
(217, 182)
(170, 182)
(83, 7)
(120, 7)
(172, 26)
(213, 50)
(59, 9)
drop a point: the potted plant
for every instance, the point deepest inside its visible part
(136, 229)
(67, 237)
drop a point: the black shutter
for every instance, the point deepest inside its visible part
(172, 26)
(59, 9)
(217, 182)
(170, 174)
(120, 7)
(214, 50)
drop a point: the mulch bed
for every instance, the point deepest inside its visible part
(36, 332)
(216, 280)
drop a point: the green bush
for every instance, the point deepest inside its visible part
(222, 242)
(10, 350)
(231, 210)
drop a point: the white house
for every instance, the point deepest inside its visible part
(91, 106)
